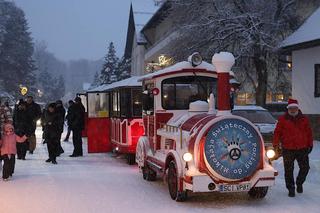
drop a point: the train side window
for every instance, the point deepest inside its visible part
(98, 105)
(136, 103)
(148, 100)
(179, 92)
(115, 104)
(125, 102)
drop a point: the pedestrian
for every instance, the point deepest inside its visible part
(61, 113)
(51, 132)
(68, 120)
(77, 115)
(21, 127)
(294, 134)
(34, 113)
(8, 145)
(4, 116)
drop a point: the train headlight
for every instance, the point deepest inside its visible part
(187, 157)
(271, 153)
(195, 59)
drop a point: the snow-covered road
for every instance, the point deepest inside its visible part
(103, 183)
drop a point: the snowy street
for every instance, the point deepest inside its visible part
(103, 183)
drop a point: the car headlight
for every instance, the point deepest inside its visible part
(271, 153)
(187, 157)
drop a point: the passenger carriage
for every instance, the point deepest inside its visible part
(117, 108)
(193, 145)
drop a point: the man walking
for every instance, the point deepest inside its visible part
(34, 113)
(294, 131)
(68, 120)
(77, 114)
(61, 113)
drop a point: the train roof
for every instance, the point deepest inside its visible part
(128, 82)
(184, 65)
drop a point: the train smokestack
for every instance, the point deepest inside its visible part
(223, 62)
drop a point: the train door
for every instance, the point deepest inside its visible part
(98, 122)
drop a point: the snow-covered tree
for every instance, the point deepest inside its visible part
(96, 80)
(109, 70)
(49, 81)
(16, 49)
(124, 68)
(251, 29)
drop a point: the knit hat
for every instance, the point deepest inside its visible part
(292, 103)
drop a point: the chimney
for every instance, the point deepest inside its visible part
(223, 62)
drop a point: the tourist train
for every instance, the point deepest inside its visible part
(170, 120)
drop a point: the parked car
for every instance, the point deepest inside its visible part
(261, 117)
(277, 108)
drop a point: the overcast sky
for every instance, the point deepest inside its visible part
(76, 29)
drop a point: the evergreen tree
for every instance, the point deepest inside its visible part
(124, 68)
(96, 80)
(59, 90)
(108, 73)
(16, 63)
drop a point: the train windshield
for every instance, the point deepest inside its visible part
(179, 92)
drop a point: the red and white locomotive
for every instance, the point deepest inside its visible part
(194, 146)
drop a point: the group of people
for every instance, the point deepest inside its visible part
(52, 121)
(17, 133)
(18, 126)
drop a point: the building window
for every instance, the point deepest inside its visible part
(317, 80)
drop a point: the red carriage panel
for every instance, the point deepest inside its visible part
(99, 135)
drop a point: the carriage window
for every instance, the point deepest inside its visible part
(179, 92)
(148, 99)
(115, 104)
(98, 105)
(136, 103)
(125, 97)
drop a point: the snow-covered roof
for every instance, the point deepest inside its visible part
(143, 10)
(248, 107)
(129, 82)
(178, 66)
(308, 31)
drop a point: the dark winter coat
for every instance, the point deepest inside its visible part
(77, 116)
(21, 122)
(68, 117)
(34, 113)
(61, 112)
(293, 132)
(51, 126)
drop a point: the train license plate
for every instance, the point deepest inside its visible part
(235, 188)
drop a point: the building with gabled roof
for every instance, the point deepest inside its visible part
(304, 47)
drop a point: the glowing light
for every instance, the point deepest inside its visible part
(271, 153)
(187, 157)
(23, 90)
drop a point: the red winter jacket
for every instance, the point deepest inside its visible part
(293, 132)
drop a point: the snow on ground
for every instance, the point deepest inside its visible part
(103, 183)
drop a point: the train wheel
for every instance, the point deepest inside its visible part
(131, 159)
(148, 174)
(173, 184)
(258, 192)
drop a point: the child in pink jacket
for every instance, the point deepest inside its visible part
(8, 149)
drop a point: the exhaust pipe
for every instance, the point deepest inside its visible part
(223, 62)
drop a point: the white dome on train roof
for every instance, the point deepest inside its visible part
(198, 106)
(179, 66)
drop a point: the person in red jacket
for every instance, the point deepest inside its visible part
(294, 134)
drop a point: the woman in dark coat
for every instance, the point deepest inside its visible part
(20, 123)
(52, 132)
